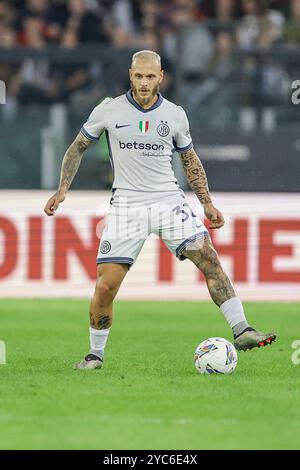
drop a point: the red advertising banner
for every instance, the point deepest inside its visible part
(259, 247)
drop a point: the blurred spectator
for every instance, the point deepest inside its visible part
(31, 9)
(221, 10)
(122, 16)
(55, 21)
(295, 11)
(149, 39)
(70, 38)
(261, 27)
(121, 39)
(258, 26)
(33, 81)
(149, 14)
(7, 35)
(291, 34)
(225, 10)
(67, 79)
(223, 63)
(89, 25)
(7, 12)
(196, 44)
(220, 73)
(37, 6)
(32, 33)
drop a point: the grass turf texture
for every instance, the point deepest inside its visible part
(149, 394)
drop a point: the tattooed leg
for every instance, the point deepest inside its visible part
(205, 257)
(220, 288)
(109, 279)
(101, 309)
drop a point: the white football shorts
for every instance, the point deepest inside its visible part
(134, 215)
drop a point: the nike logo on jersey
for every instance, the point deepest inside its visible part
(124, 125)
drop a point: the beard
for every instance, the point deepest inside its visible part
(145, 100)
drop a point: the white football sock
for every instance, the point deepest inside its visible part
(234, 313)
(98, 340)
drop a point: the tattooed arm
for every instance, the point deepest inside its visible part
(70, 165)
(196, 177)
(72, 161)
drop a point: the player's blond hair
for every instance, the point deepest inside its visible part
(144, 55)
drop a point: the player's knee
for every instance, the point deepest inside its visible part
(105, 292)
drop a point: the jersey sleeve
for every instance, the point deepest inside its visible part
(96, 123)
(182, 139)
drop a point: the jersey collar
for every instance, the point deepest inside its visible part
(140, 108)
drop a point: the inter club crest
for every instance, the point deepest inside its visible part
(163, 129)
(105, 247)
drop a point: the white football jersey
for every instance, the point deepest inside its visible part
(141, 141)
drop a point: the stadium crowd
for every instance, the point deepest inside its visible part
(209, 31)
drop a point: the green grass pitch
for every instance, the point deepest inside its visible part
(149, 394)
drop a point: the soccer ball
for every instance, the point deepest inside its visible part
(215, 356)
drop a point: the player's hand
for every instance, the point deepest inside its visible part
(53, 203)
(214, 215)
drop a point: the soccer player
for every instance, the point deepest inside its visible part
(143, 129)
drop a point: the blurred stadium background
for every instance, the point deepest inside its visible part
(230, 64)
